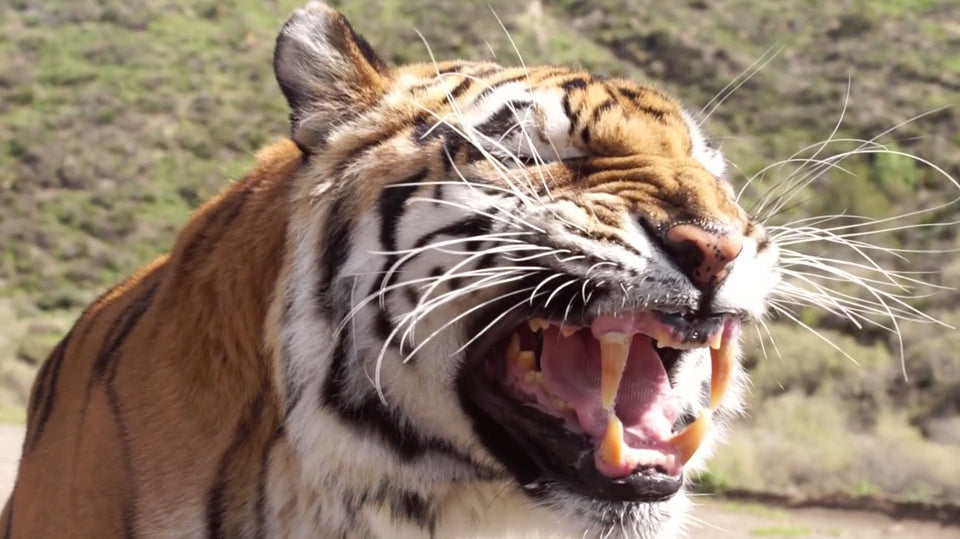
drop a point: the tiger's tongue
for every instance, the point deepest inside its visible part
(645, 408)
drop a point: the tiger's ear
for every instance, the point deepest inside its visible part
(327, 72)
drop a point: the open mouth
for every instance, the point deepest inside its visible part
(590, 407)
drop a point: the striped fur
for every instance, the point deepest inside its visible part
(259, 381)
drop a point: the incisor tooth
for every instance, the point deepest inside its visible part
(568, 330)
(611, 448)
(538, 324)
(722, 359)
(534, 377)
(526, 360)
(688, 441)
(614, 350)
(716, 340)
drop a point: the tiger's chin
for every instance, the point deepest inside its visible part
(584, 414)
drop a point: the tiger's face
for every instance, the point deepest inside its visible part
(529, 277)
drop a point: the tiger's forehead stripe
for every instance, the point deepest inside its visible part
(570, 114)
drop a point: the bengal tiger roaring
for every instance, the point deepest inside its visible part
(461, 300)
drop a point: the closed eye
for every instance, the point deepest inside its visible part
(517, 161)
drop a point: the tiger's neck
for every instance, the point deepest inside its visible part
(224, 265)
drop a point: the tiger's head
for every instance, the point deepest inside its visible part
(532, 278)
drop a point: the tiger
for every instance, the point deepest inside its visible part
(458, 300)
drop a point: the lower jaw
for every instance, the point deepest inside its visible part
(541, 454)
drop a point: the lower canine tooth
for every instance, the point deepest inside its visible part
(722, 359)
(611, 448)
(688, 441)
(614, 350)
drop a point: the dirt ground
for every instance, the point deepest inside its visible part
(714, 518)
(735, 520)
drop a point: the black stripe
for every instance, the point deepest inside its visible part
(43, 374)
(215, 510)
(601, 109)
(569, 86)
(251, 418)
(109, 359)
(294, 392)
(468, 82)
(393, 200)
(383, 326)
(47, 390)
(369, 414)
(227, 210)
(627, 93)
(361, 151)
(454, 68)
(262, 476)
(577, 83)
(363, 46)
(334, 248)
(502, 82)
(503, 120)
(474, 225)
(437, 192)
(471, 226)
(414, 508)
(110, 342)
(571, 115)
(404, 505)
(658, 113)
(99, 302)
(293, 388)
(424, 132)
(460, 89)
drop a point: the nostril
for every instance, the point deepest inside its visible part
(702, 254)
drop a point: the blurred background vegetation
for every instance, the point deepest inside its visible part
(118, 117)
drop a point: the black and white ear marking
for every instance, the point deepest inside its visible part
(326, 71)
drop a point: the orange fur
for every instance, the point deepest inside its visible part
(181, 357)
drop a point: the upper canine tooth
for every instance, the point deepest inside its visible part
(688, 441)
(538, 324)
(722, 360)
(614, 350)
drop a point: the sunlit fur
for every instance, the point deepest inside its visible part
(289, 369)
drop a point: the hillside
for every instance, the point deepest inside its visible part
(117, 118)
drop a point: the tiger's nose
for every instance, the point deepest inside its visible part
(703, 255)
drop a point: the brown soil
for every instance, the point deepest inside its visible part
(734, 519)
